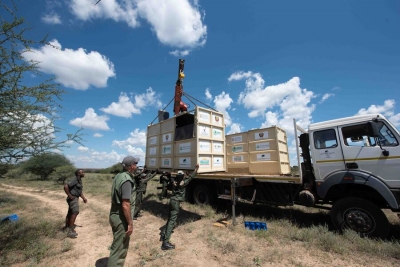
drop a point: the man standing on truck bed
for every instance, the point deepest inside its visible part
(178, 196)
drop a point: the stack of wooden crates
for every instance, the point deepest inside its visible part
(180, 142)
(260, 151)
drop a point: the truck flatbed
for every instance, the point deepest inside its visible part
(258, 177)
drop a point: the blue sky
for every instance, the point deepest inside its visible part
(259, 62)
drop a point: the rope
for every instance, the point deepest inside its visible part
(188, 96)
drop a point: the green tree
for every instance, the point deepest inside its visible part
(27, 112)
(62, 173)
(45, 164)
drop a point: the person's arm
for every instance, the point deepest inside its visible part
(148, 177)
(83, 197)
(126, 208)
(66, 189)
(186, 181)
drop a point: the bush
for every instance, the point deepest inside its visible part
(45, 164)
(62, 173)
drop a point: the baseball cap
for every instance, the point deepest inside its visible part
(129, 160)
(181, 172)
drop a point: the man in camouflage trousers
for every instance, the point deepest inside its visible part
(141, 185)
(121, 213)
(178, 196)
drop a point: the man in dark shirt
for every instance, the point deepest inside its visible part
(74, 190)
(141, 190)
(178, 196)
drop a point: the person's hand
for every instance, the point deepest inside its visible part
(197, 166)
(85, 200)
(144, 167)
(130, 229)
(71, 197)
(182, 183)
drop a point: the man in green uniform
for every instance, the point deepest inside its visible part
(74, 190)
(121, 212)
(164, 181)
(178, 196)
(141, 190)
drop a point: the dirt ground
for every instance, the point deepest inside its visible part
(192, 241)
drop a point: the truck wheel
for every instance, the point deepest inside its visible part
(201, 195)
(361, 216)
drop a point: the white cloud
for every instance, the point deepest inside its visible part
(208, 94)
(287, 99)
(136, 138)
(97, 135)
(150, 98)
(96, 159)
(235, 128)
(91, 121)
(180, 53)
(222, 103)
(325, 97)
(83, 148)
(387, 109)
(51, 18)
(124, 107)
(176, 23)
(74, 68)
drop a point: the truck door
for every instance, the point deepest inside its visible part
(362, 152)
(326, 153)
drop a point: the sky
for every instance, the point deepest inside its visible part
(260, 63)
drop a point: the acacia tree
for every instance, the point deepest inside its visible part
(27, 112)
(45, 164)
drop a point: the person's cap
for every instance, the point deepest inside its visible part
(181, 172)
(129, 160)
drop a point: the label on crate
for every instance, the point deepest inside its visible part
(217, 133)
(204, 117)
(184, 148)
(237, 149)
(218, 162)
(218, 147)
(184, 163)
(238, 158)
(167, 149)
(262, 146)
(204, 131)
(263, 157)
(152, 162)
(153, 140)
(217, 120)
(166, 162)
(152, 151)
(205, 162)
(261, 135)
(166, 138)
(204, 146)
(236, 139)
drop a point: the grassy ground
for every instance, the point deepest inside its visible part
(30, 239)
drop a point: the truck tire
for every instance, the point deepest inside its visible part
(202, 195)
(361, 216)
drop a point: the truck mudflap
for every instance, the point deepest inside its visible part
(359, 178)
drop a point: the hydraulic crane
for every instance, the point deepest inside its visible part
(179, 106)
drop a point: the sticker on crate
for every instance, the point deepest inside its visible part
(262, 146)
(166, 162)
(153, 140)
(217, 133)
(217, 120)
(184, 148)
(263, 157)
(184, 163)
(205, 162)
(152, 151)
(204, 146)
(218, 162)
(261, 135)
(236, 139)
(152, 162)
(239, 158)
(204, 131)
(166, 138)
(205, 117)
(167, 149)
(237, 149)
(218, 147)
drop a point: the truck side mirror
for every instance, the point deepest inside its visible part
(372, 129)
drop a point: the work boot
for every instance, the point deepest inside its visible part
(72, 234)
(162, 236)
(167, 246)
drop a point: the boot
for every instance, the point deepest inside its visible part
(166, 245)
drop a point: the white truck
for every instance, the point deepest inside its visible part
(351, 165)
